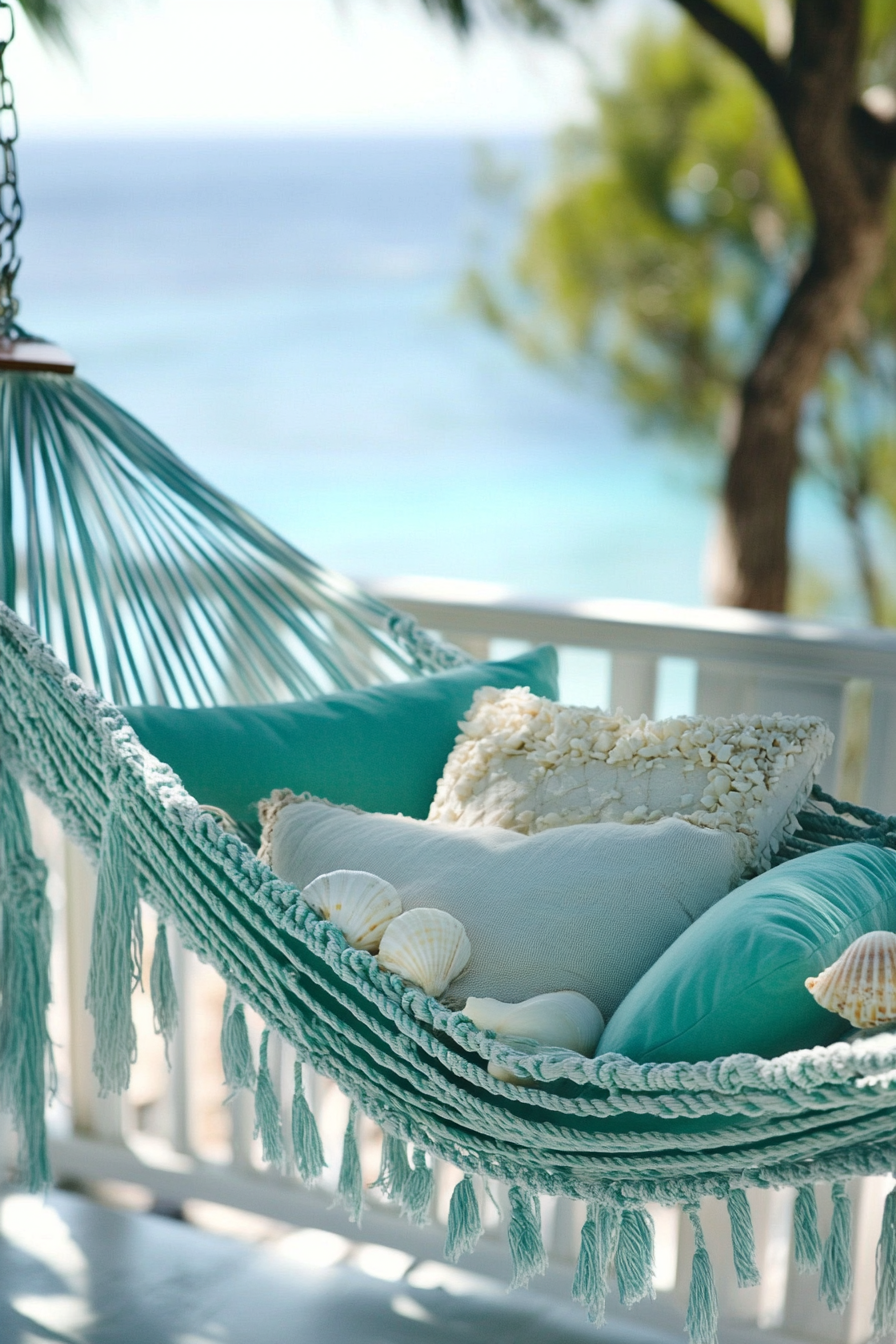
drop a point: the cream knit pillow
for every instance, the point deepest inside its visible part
(530, 764)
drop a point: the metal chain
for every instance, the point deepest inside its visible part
(10, 201)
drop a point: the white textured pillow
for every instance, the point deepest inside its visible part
(530, 764)
(587, 908)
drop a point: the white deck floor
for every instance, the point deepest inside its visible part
(75, 1272)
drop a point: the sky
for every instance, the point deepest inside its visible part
(298, 67)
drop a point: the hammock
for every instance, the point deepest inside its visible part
(613, 1133)
(161, 589)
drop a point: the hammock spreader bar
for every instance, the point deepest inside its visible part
(403, 1059)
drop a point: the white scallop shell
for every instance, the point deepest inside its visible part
(861, 984)
(360, 904)
(565, 1019)
(428, 947)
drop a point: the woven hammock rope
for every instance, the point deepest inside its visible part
(158, 588)
(606, 1130)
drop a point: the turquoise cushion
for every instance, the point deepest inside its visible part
(382, 748)
(734, 982)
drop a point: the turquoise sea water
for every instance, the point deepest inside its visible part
(281, 313)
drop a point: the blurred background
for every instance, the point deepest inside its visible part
(327, 252)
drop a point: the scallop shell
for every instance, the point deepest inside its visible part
(565, 1019)
(428, 947)
(861, 984)
(360, 904)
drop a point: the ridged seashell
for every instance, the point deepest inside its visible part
(360, 904)
(428, 947)
(565, 1019)
(861, 984)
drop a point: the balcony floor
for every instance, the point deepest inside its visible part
(74, 1272)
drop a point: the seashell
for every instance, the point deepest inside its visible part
(360, 904)
(565, 1019)
(861, 984)
(428, 947)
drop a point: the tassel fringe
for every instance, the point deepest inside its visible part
(394, 1169)
(586, 1285)
(349, 1191)
(806, 1240)
(835, 1286)
(306, 1145)
(115, 957)
(702, 1321)
(236, 1053)
(26, 1054)
(464, 1221)
(419, 1189)
(884, 1315)
(524, 1235)
(163, 990)
(600, 1237)
(267, 1111)
(634, 1256)
(743, 1245)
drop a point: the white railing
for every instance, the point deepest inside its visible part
(173, 1134)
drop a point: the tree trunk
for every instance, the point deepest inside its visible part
(847, 172)
(753, 569)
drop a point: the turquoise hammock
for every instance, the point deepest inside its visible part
(612, 1133)
(158, 589)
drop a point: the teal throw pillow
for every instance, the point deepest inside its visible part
(734, 982)
(382, 748)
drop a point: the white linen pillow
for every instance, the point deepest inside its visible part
(587, 908)
(529, 764)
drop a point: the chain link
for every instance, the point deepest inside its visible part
(10, 201)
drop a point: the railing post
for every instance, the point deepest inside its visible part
(854, 739)
(633, 683)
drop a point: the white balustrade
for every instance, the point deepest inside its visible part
(174, 1134)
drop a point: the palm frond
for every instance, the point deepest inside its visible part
(50, 19)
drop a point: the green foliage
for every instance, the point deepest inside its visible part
(667, 238)
(670, 233)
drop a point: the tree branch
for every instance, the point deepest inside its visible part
(742, 43)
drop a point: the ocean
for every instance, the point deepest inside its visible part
(282, 312)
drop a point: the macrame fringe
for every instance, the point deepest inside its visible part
(599, 1241)
(307, 1148)
(702, 1320)
(464, 1221)
(26, 1054)
(600, 1237)
(884, 1316)
(163, 990)
(115, 958)
(349, 1191)
(527, 1251)
(835, 1285)
(236, 1052)
(419, 1189)
(634, 1256)
(743, 1244)
(806, 1239)
(268, 1124)
(394, 1168)
(586, 1285)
